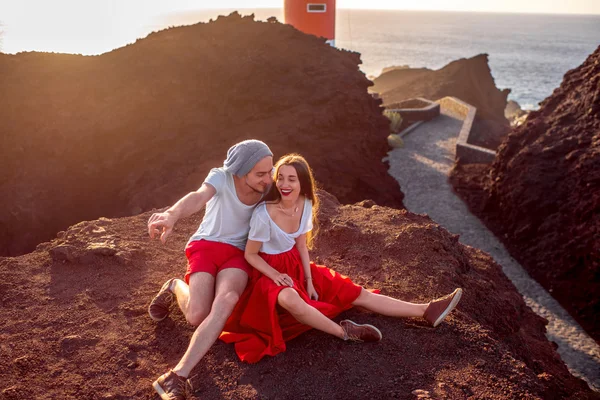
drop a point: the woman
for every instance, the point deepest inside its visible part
(287, 294)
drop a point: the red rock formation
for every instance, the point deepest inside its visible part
(542, 194)
(136, 128)
(74, 310)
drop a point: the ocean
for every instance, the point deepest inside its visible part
(528, 53)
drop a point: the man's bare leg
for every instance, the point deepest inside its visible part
(230, 283)
(389, 306)
(196, 299)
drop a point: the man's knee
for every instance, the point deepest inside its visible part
(196, 315)
(291, 301)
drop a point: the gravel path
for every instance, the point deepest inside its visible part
(422, 168)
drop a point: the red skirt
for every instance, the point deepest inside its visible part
(259, 327)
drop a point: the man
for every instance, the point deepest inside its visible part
(217, 271)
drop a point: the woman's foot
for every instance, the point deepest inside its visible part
(360, 333)
(438, 309)
(160, 306)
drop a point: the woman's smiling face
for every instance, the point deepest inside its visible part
(287, 183)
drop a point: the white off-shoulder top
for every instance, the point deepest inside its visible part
(275, 240)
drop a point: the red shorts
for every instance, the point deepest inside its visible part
(213, 257)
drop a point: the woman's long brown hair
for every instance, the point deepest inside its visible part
(307, 187)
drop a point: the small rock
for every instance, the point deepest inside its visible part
(43, 246)
(13, 392)
(421, 394)
(99, 230)
(132, 365)
(71, 343)
(395, 141)
(101, 249)
(63, 252)
(123, 258)
(366, 203)
(23, 362)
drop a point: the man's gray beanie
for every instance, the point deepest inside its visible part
(242, 157)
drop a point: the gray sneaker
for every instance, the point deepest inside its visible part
(160, 306)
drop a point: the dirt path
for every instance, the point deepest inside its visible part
(422, 168)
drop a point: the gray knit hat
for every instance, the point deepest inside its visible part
(242, 157)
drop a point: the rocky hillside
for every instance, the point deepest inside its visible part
(542, 194)
(73, 321)
(136, 128)
(469, 79)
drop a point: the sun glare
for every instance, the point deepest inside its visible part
(69, 26)
(97, 26)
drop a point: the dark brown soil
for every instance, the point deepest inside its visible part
(73, 322)
(139, 127)
(542, 194)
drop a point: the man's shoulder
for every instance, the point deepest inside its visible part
(220, 171)
(217, 177)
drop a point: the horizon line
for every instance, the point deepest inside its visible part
(401, 9)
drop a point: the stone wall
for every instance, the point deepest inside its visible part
(466, 153)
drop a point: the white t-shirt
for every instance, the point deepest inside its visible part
(227, 219)
(275, 240)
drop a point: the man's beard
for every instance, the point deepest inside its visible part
(255, 189)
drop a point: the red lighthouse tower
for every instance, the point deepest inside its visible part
(314, 17)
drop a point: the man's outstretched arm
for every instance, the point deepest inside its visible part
(162, 223)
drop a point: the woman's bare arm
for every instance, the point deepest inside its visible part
(251, 255)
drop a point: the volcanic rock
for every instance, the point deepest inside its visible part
(542, 194)
(139, 127)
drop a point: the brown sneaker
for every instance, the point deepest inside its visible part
(438, 309)
(171, 386)
(160, 306)
(360, 333)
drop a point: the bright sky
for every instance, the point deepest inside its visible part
(96, 26)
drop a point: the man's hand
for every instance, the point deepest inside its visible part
(283, 280)
(310, 290)
(161, 224)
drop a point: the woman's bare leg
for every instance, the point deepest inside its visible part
(289, 299)
(389, 306)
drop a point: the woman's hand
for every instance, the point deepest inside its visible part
(310, 289)
(283, 280)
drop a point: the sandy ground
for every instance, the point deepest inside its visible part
(428, 156)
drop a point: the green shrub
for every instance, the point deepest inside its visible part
(395, 120)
